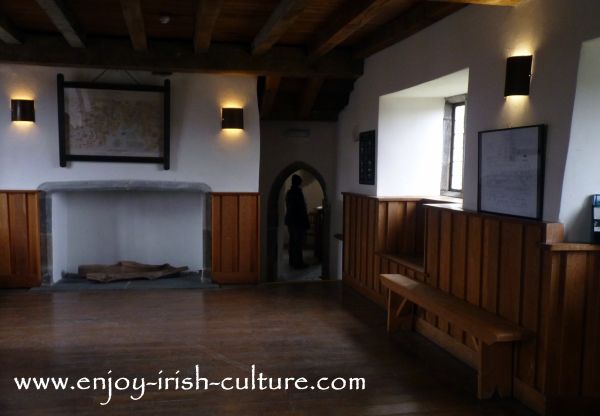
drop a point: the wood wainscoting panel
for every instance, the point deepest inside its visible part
(494, 262)
(5, 251)
(361, 230)
(516, 268)
(20, 260)
(235, 237)
(382, 235)
(531, 300)
(572, 328)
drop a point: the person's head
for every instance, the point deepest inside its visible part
(296, 180)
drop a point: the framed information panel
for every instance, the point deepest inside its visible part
(596, 218)
(366, 158)
(511, 171)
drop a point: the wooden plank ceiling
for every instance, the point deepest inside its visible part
(307, 53)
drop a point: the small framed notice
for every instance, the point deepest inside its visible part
(596, 218)
(366, 158)
(511, 171)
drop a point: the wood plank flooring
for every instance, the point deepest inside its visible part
(312, 329)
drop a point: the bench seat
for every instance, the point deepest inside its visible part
(493, 336)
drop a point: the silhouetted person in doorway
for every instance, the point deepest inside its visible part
(296, 219)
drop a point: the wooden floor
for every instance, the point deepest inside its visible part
(314, 329)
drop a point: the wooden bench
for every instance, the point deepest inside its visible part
(493, 336)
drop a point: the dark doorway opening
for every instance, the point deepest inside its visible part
(276, 234)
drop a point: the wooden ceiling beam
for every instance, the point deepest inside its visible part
(415, 19)
(279, 22)
(62, 19)
(352, 18)
(8, 32)
(483, 2)
(272, 83)
(134, 19)
(207, 13)
(177, 56)
(311, 92)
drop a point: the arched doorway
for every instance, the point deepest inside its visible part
(274, 219)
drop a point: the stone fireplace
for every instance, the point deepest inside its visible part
(102, 222)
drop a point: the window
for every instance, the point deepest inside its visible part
(454, 140)
(457, 147)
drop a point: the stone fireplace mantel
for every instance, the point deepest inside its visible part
(123, 185)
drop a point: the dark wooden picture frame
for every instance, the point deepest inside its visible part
(64, 155)
(367, 155)
(596, 218)
(510, 190)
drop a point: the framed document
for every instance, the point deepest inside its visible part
(511, 171)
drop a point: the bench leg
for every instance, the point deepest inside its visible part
(399, 313)
(495, 370)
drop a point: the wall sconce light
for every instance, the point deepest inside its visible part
(22, 110)
(232, 118)
(518, 75)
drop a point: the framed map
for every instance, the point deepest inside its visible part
(101, 122)
(511, 171)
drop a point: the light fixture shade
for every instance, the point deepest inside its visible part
(232, 118)
(22, 110)
(518, 75)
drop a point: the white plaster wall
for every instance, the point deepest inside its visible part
(313, 194)
(278, 152)
(409, 146)
(581, 173)
(481, 38)
(106, 227)
(201, 151)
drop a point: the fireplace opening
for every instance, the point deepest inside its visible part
(105, 223)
